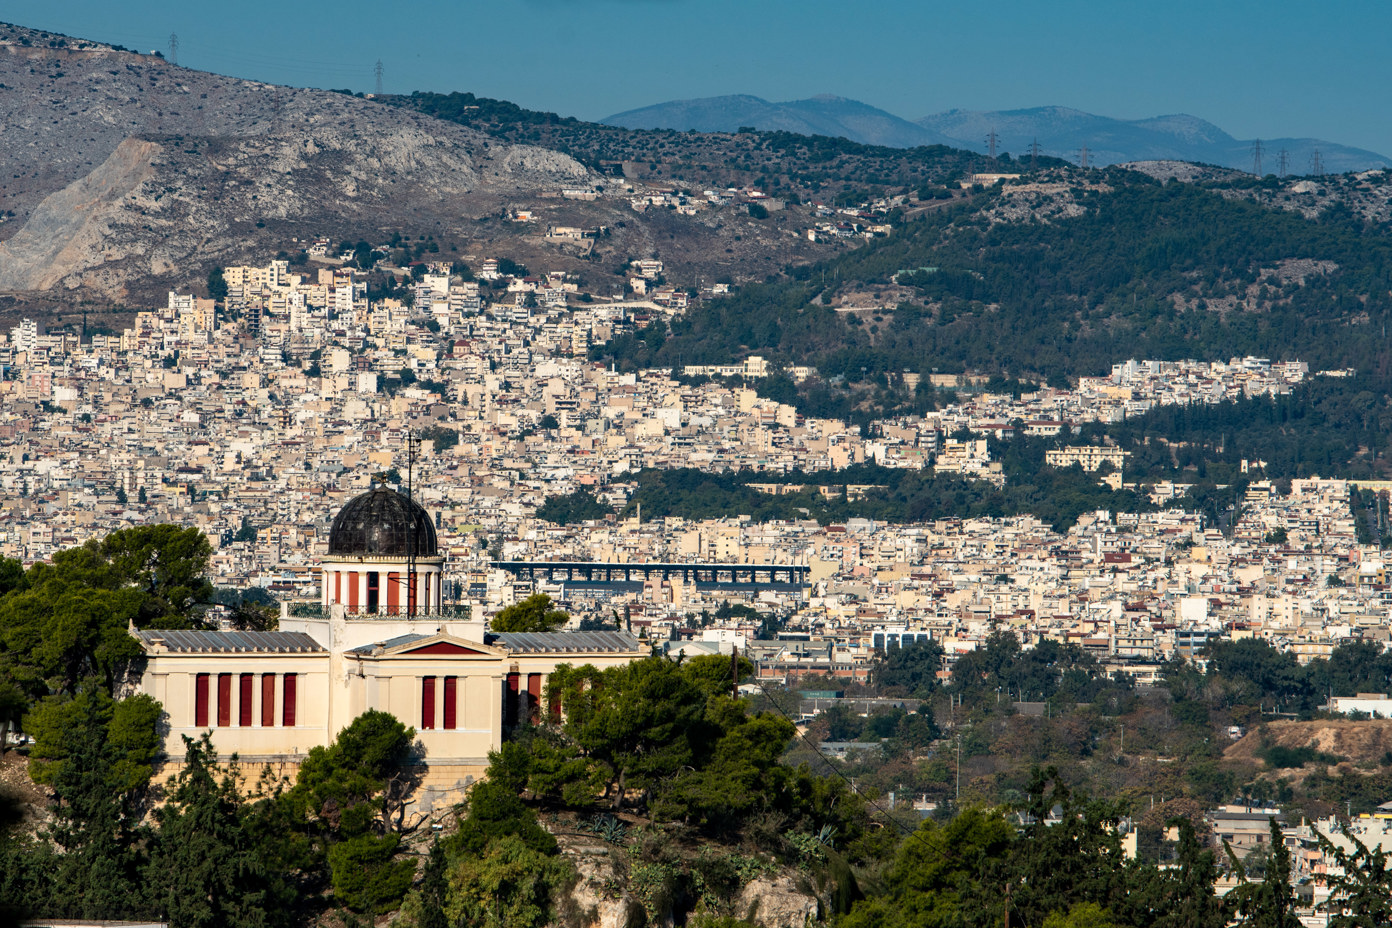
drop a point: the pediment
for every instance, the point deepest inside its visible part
(437, 645)
(444, 647)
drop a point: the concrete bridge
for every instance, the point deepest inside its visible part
(704, 576)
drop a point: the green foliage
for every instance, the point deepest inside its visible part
(511, 885)
(1055, 496)
(1270, 903)
(495, 810)
(355, 785)
(1283, 757)
(573, 508)
(912, 669)
(210, 866)
(533, 614)
(63, 729)
(443, 438)
(366, 876)
(94, 754)
(217, 284)
(1360, 883)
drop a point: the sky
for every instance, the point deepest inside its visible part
(1257, 70)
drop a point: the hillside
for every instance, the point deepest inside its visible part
(1364, 744)
(1070, 274)
(134, 176)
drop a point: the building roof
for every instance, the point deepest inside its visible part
(195, 642)
(382, 523)
(567, 642)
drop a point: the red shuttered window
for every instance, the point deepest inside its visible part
(427, 702)
(267, 700)
(224, 706)
(287, 701)
(451, 698)
(244, 690)
(200, 700)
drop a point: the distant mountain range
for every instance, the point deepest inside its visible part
(1059, 131)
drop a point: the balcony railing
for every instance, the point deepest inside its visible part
(308, 609)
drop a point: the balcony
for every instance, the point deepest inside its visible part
(311, 609)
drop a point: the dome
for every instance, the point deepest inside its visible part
(382, 523)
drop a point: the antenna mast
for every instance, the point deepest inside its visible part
(377, 70)
(411, 541)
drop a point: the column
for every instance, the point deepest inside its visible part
(422, 604)
(362, 590)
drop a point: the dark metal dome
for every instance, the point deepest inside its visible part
(382, 523)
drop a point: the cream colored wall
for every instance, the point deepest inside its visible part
(169, 678)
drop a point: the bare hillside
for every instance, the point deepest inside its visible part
(120, 166)
(1361, 742)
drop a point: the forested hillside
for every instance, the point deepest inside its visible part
(1143, 270)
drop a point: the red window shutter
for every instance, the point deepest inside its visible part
(533, 697)
(451, 696)
(287, 701)
(224, 707)
(200, 700)
(352, 591)
(267, 700)
(394, 593)
(427, 702)
(510, 700)
(244, 691)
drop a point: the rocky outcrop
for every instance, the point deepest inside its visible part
(66, 234)
(600, 899)
(778, 902)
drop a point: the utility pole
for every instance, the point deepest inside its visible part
(1083, 157)
(734, 672)
(173, 48)
(1256, 157)
(1316, 163)
(991, 139)
(1282, 163)
(959, 768)
(377, 70)
(1034, 155)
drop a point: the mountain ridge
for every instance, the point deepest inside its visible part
(1060, 132)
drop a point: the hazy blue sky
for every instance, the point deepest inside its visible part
(1255, 69)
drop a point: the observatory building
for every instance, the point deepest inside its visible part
(380, 636)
